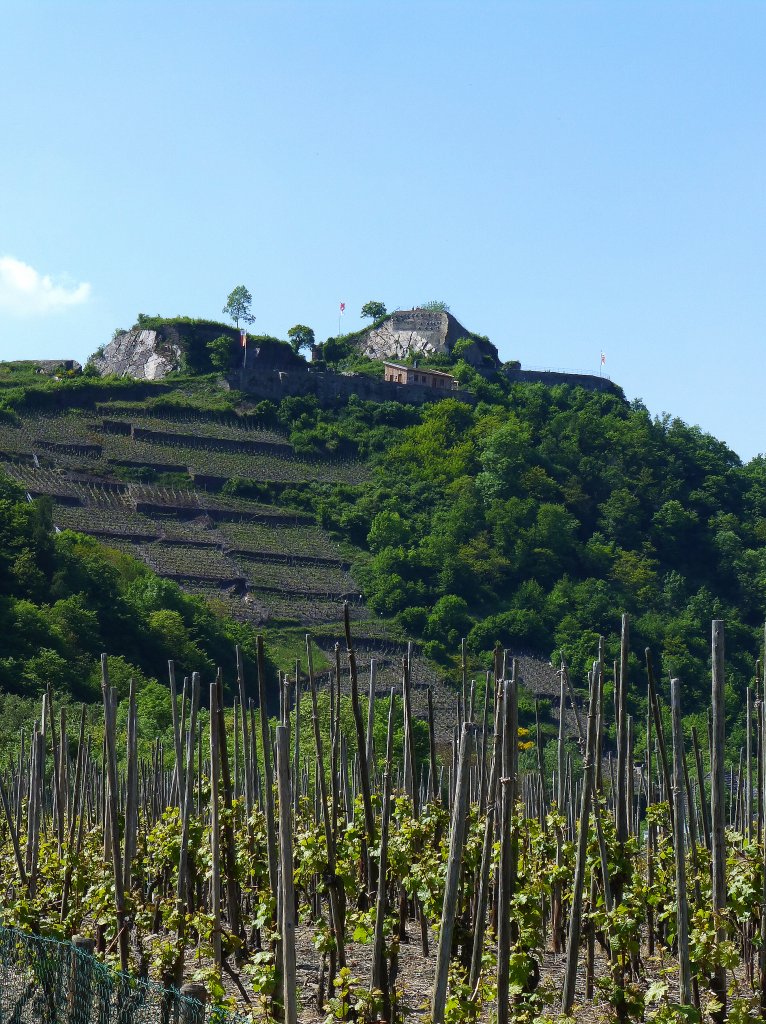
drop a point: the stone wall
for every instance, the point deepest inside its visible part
(590, 382)
(337, 387)
(49, 365)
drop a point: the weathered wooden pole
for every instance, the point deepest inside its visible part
(748, 823)
(575, 920)
(187, 808)
(506, 881)
(704, 806)
(452, 882)
(111, 767)
(297, 753)
(621, 680)
(336, 907)
(679, 844)
(271, 842)
(361, 739)
(482, 897)
(659, 731)
(215, 847)
(289, 983)
(246, 755)
(178, 787)
(371, 716)
(378, 979)
(718, 807)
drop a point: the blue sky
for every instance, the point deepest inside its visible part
(569, 177)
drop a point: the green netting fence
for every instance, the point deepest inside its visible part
(50, 982)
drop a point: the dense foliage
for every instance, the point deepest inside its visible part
(536, 516)
(64, 599)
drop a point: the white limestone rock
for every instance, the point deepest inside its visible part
(140, 354)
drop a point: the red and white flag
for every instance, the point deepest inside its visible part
(243, 338)
(603, 358)
(342, 308)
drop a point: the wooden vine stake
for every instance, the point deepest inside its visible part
(289, 982)
(271, 843)
(215, 847)
(679, 800)
(506, 873)
(452, 886)
(718, 808)
(111, 767)
(378, 979)
(575, 921)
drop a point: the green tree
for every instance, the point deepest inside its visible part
(435, 306)
(373, 310)
(238, 305)
(300, 337)
(219, 350)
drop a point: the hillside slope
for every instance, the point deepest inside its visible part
(532, 518)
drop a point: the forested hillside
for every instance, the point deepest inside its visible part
(536, 517)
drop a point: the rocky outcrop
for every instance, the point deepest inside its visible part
(138, 353)
(422, 332)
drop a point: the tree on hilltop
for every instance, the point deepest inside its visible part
(373, 310)
(435, 306)
(238, 305)
(300, 337)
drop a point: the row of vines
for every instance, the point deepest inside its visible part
(534, 888)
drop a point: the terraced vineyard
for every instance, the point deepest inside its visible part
(269, 565)
(104, 443)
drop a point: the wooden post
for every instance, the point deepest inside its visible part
(410, 774)
(81, 980)
(378, 979)
(178, 787)
(246, 757)
(575, 921)
(232, 882)
(297, 754)
(187, 806)
(289, 983)
(215, 848)
(195, 1001)
(452, 884)
(748, 823)
(131, 787)
(622, 735)
(371, 717)
(718, 807)
(505, 872)
(704, 807)
(682, 911)
(659, 731)
(111, 767)
(486, 853)
(336, 908)
(435, 788)
(361, 739)
(271, 842)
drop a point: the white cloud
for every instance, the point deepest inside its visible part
(25, 292)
